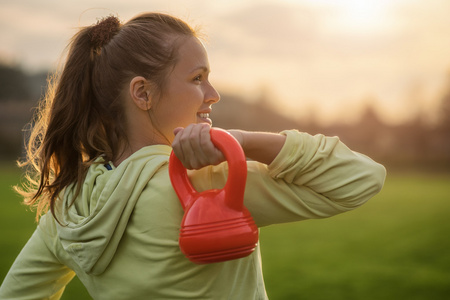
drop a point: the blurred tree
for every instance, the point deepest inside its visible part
(444, 109)
(13, 84)
(368, 134)
(441, 136)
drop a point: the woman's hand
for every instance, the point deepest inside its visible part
(193, 147)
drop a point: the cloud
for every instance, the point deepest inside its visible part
(268, 30)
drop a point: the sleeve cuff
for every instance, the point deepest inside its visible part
(287, 154)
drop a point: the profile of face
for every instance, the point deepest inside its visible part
(188, 95)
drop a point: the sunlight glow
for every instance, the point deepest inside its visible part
(364, 15)
(356, 16)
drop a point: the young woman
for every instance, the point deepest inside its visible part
(99, 153)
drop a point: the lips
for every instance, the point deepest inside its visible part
(204, 117)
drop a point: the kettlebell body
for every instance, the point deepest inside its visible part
(216, 225)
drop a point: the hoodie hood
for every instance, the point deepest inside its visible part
(93, 226)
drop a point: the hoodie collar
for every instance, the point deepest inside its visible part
(94, 224)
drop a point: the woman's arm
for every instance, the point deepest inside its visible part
(260, 146)
(194, 148)
(36, 273)
(311, 177)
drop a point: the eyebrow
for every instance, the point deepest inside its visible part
(203, 68)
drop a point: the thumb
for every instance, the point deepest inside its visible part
(177, 130)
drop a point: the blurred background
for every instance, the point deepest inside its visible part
(376, 73)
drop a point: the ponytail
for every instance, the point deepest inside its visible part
(58, 148)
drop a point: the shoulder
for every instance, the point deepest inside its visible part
(47, 225)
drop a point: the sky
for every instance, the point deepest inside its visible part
(327, 58)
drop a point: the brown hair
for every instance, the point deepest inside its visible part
(81, 116)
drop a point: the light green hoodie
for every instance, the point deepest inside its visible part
(120, 236)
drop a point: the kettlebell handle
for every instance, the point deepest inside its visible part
(237, 171)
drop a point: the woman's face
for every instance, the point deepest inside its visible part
(188, 95)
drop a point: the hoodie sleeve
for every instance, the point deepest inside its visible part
(312, 177)
(36, 273)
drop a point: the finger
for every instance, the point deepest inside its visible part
(199, 142)
(185, 146)
(213, 155)
(177, 144)
(176, 130)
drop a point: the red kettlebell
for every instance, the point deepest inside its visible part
(216, 226)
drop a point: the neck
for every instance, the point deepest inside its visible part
(136, 142)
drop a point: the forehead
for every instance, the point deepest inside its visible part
(191, 55)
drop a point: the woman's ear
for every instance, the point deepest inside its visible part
(140, 92)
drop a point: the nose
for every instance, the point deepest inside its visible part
(212, 96)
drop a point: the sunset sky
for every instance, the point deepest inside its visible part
(332, 56)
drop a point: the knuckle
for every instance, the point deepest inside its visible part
(183, 139)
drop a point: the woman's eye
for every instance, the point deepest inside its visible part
(198, 78)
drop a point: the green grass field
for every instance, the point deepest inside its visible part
(397, 246)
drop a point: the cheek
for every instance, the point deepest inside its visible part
(180, 111)
(188, 100)
(181, 103)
